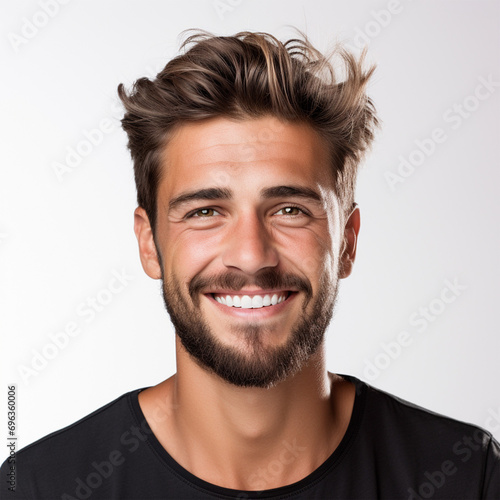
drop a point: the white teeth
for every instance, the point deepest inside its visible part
(254, 302)
(246, 302)
(257, 301)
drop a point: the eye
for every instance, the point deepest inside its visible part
(204, 213)
(291, 210)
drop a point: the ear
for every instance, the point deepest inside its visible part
(147, 249)
(348, 250)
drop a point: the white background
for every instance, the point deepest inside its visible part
(62, 238)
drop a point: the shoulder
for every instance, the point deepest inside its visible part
(99, 424)
(426, 441)
(418, 421)
(64, 449)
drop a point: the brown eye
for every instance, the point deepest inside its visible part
(290, 210)
(205, 212)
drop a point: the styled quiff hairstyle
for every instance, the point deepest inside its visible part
(244, 76)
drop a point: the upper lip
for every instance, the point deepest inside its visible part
(251, 292)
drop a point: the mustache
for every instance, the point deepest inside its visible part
(268, 278)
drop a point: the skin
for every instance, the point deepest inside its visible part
(226, 434)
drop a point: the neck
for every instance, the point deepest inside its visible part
(253, 438)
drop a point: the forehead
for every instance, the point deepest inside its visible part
(244, 154)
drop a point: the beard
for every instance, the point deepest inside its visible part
(257, 364)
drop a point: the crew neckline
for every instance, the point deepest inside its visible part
(294, 488)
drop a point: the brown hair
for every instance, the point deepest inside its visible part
(250, 75)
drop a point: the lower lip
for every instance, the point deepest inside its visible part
(249, 314)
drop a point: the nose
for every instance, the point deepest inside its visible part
(249, 246)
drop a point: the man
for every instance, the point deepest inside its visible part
(245, 153)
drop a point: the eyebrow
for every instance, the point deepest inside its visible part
(200, 194)
(226, 194)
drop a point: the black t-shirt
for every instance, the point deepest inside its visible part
(392, 449)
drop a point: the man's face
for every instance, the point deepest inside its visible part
(248, 234)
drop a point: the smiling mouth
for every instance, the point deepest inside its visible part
(252, 302)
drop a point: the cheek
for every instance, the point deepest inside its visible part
(310, 251)
(188, 252)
